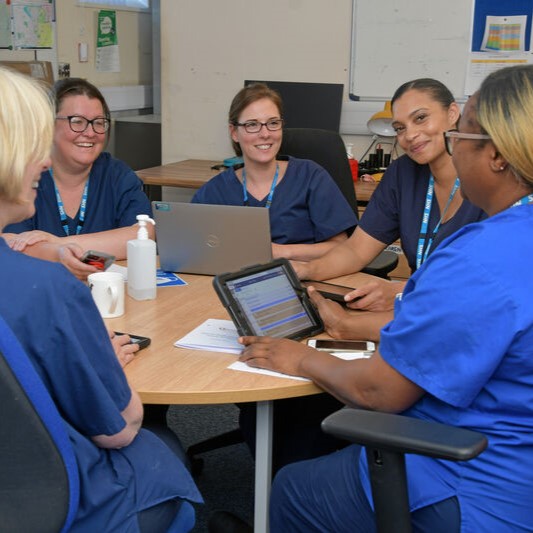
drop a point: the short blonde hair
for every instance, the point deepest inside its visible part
(26, 129)
(505, 112)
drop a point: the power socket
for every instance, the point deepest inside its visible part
(83, 52)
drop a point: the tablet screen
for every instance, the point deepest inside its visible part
(266, 299)
(270, 303)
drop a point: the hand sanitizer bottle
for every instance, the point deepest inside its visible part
(142, 266)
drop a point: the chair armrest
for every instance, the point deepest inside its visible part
(402, 434)
(384, 263)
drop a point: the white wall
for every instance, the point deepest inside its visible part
(209, 47)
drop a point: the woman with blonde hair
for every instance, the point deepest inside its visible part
(129, 479)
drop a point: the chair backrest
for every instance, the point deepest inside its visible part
(39, 484)
(325, 148)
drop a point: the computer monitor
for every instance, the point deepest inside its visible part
(309, 105)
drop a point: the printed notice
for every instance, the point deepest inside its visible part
(107, 51)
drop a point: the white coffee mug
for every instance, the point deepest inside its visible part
(108, 293)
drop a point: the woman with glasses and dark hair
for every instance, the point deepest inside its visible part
(459, 350)
(417, 201)
(308, 213)
(87, 199)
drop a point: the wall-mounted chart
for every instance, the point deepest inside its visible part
(27, 24)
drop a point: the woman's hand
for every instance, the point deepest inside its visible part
(335, 318)
(281, 355)
(69, 255)
(124, 349)
(376, 295)
(20, 241)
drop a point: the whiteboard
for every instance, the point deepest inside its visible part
(394, 41)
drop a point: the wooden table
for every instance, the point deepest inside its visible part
(364, 190)
(193, 173)
(165, 374)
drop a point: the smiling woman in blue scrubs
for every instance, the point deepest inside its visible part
(308, 213)
(129, 479)
(88, 200)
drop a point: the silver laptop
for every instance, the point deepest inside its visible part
(210, 239)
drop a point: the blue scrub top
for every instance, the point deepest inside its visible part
(115, 198)
(307, 206)
(55, 319)
(396, 207)
(463, 332)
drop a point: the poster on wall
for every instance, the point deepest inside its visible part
(501, 37)
(27, 24)
(5, 25)
(107, 51)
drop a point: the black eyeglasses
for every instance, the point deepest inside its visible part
(451, 136)
(254, 126)
(79, 124)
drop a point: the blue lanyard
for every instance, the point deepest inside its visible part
(61, 207)
(272, 187)
(425, 240)
(527, 199)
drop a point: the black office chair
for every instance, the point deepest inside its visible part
(387, 438)
(328, 150)
(39, 485)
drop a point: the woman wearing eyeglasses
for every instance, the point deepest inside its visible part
(417, 201)
(308, 213)
(86, 198)
(459, 350)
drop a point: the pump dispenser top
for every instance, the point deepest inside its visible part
(142, 263)
(142, 220)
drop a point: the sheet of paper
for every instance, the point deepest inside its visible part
(164, 279)
(212, 335)
(120, 269)
(350, 356)
(168, 279)
(216, 335)
(243, 367)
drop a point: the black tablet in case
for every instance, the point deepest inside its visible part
(268, 299)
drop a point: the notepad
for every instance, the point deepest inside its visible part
(213, 335)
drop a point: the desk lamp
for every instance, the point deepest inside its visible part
(380, 124)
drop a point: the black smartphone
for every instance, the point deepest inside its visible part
(329, 290)
(100, 260)
(143, 342)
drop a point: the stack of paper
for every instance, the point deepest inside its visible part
(213, 335)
